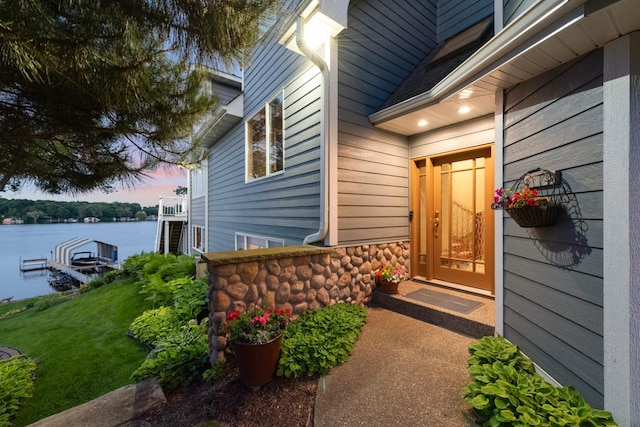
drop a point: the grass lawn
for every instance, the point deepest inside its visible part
(80, 347)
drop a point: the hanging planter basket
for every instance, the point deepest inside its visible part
(550, 198)
(535, 216)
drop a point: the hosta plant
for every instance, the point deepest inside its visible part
(506, 391)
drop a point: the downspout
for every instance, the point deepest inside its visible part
(324, 131)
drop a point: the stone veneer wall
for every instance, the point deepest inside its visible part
(298, 278)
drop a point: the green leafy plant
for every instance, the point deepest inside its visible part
(178, 359)
(257, 326)
(159, 290)
(157, 274)
(319, 340)
(11, 312)
(16, 384)
(50, 300)
(190, 297)
(216, 371)
(154, 325)
(105, 279)
(506, 391)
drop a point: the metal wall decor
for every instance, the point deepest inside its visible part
(535, 199)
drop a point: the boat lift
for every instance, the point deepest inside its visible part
(68, 260)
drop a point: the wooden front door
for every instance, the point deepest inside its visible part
(452, 229)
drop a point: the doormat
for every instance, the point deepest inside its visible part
(450, 302)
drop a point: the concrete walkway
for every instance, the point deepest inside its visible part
(402, 372)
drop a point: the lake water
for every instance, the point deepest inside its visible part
(39, 241)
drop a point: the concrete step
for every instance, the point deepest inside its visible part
(476, 324)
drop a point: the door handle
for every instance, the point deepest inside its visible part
(436, 224)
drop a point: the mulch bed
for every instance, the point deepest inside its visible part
(287, 402)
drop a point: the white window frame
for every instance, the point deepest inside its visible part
(198, 244)
(199, 180)
(246, 239)
(266, 111)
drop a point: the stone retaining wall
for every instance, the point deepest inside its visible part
(297, 278)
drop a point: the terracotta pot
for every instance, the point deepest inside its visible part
(388, 287)
(258, 362)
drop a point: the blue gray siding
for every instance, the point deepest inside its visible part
(198, 211)
(514, 8)
(383, 43)
(284, 206)
(456, 15)
(553, 287)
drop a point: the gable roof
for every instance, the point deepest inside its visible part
(546, 35)
(445, 57)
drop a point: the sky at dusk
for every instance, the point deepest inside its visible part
(161, 182)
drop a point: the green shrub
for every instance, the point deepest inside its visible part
(157, 274)
(216, 371)
(506, 391)
(178, 359)
(16, 384)
(50, 300)
(11, 312)
(154, 325)
(190, 297)
(159, 290)
(318, 340)
(167, 266)
(108, 277)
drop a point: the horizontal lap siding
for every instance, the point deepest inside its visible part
(385, 40)
(284, 206)
(514, 8)
(456, 15)
(198, 211)
(553, 287)
(456, 137)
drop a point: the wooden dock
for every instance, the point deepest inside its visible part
(80, 277)
(47, 264)
(34, 264)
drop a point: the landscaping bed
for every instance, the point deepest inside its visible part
(287, 402)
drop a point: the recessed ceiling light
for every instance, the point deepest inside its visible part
(464, 110)
(423, 123)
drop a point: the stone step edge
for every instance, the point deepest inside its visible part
(433, 316)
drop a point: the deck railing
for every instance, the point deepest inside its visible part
(173, 206)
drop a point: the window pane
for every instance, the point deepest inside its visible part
(240, 241)
(256, 242)
(275, 243)
(256, 144)
(275, 136)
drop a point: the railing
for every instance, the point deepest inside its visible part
(173, 206)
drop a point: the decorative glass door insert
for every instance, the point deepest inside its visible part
(462, 219)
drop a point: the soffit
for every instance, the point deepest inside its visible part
(221, 121)
(573, 31)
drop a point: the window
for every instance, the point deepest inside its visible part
(198, 180)
(248, 241)
(197, 238)
(265, 151)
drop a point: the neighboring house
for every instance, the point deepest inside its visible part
(402, 122)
